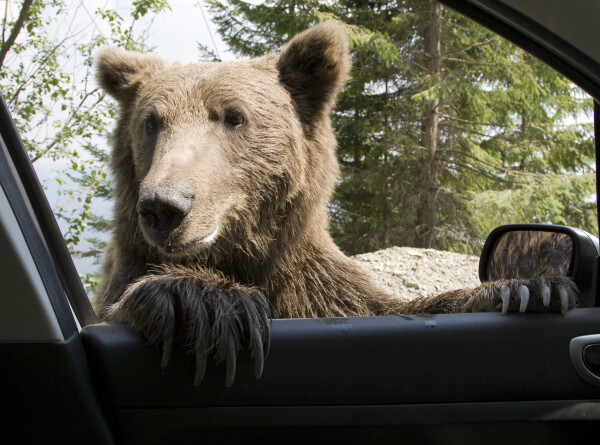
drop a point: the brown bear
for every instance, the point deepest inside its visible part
(222, 173)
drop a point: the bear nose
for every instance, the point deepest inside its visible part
(162, 208)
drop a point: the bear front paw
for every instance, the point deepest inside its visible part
(553, 294)
(208, 320)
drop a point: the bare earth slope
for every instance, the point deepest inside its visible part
(408, 272)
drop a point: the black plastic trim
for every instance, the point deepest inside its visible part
(513, 433)
(366, 424)
(586, 361)
(381, 415)
(596, 273)
(35, 243)
(48, 397)
(597, 153)
(46, 238)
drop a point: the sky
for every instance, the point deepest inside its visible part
(176, 34)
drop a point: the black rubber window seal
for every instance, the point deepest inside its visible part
(41, 231)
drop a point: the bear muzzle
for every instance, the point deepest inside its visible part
(161, 210)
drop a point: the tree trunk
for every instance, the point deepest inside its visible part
(385, 207)
(356, 164)
(426, 214)
(16, 29)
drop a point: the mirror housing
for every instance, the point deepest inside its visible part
(534, 250)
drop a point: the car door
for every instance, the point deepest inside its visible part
(46, 389)
(451, 378)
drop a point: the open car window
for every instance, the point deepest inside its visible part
(448, 378)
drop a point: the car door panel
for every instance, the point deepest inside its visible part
(455, 358)
(393, 372)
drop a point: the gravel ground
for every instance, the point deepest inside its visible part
(408, 272)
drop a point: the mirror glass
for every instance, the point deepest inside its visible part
(529, 254)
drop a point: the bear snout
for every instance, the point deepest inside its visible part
(162, 209)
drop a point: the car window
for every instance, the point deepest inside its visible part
(445, 130)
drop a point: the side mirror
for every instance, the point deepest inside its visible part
(537, 250)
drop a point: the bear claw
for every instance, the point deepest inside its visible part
(505, 296)
(230, 363)
(524, 297)
(546, 294)
(166, 352)
(259, 360)
(564, 298)
(216, 320)
(201, 361)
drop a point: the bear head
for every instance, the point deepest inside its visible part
(235, 152)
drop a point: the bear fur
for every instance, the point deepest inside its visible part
(222, 174)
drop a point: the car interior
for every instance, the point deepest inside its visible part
(450, 378)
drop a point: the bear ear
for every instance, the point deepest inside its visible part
(313, 67)
(119, 72)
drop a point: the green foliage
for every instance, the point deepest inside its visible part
(510, 144)
(550, 199)
(46, 78)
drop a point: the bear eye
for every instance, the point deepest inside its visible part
(151, 124)
(234, 118)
